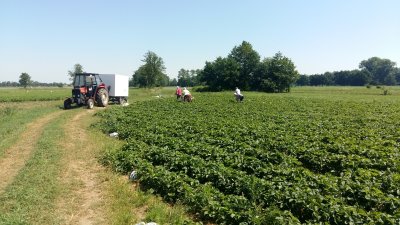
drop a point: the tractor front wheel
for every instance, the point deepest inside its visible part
(102, 97)
(67, 103)
(90, 103)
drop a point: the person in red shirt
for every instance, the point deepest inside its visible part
(178, 92)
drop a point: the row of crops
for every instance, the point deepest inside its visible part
(274, 159)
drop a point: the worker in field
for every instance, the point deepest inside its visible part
(178, 93)
(187, 97)
(239, 97)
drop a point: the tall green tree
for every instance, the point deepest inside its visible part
(304, 80)
(77, 69)
(184, 78)
(242, 68)
(173, 82)
(188, 78)
(390, 79)
(359, 78)
(162, 81)
(152, 73)
(138, 78)
(397, 75)
(248, 59)
(24, 80)
(195, 77)
(222, 74)
(276, 74)
(341, 78)
(382, 70)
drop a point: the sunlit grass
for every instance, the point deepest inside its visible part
(15, 117)
(33, 94)
(30, 198)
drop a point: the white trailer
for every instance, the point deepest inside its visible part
(117, 85)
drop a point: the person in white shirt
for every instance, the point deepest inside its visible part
(239, 97)
(237, 91)
(185, 92)
(186, 95)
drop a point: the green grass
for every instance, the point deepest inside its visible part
(345, 90)
(33, 94)
(50, 94)
(143, 94)
(30, 198)
(128, 205)
(164, 214)
(15, 117)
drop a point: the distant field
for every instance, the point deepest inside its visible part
(317, 155)
(142, 94)
(49, 94)
(351, 91)
(33, 94)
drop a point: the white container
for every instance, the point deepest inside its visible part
(117, 84)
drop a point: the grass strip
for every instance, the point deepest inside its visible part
(30, 198)
(130, 205)
(14, 120)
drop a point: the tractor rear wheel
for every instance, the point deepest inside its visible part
(102, 97)
(90, 103)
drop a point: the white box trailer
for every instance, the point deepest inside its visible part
(117, 85)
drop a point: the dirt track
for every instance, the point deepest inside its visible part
(17, 155)
(80, 173)
(83, 198)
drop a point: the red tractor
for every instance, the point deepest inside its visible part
(88, 90)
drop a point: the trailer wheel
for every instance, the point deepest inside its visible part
(122, 100)
(90, 103)
(102, 97)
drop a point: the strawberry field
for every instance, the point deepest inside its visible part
(273, 159)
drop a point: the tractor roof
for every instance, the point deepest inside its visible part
(87, 74)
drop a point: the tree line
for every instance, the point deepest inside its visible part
(373, 71)
(25, 81)
(242, 68)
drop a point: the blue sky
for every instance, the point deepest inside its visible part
(46, 38)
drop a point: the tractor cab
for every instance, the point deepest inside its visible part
(88, 89)
(84, 85)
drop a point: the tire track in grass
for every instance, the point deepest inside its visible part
(29, 198)
(83, 203)
(16, 156)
